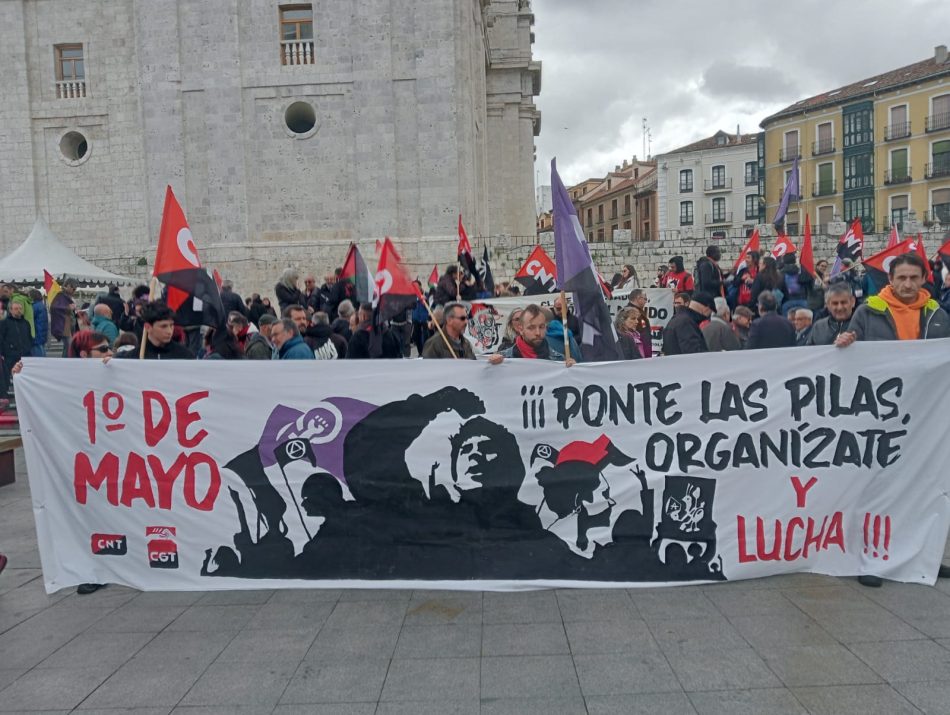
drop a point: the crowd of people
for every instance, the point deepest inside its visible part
(765, 303)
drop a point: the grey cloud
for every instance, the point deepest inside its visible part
(728, 79)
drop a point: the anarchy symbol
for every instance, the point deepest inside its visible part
(295, 449)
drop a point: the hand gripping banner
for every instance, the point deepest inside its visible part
(199, 475)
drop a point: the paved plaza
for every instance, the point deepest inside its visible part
(793, 644)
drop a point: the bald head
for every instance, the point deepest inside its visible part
(103, 310)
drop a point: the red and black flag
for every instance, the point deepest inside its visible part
(465, 256)
(357, 275)
(807, 259)
(395, 292)
(850, 247)
(878, 266)
(485, 274)
(922, 252)
(434, 277)
(538, 274)
(783, 246)
(751, 245)
(192, 293)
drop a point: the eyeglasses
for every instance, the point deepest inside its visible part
(460, 317)
(100, 349)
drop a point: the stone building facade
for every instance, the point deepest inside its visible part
(284, 141)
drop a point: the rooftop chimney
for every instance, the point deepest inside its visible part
(738, 134)
(940, 54)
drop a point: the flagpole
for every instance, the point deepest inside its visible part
(567, 343)
(436, 323)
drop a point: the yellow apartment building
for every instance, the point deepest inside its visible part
(878, 148)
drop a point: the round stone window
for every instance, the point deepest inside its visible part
(74, 147)
(301, 119)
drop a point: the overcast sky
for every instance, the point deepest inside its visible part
(692, 67)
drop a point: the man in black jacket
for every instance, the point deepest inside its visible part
(16, 340)
(231, 301)
(771, 330)
(708, 272)
(683, 334)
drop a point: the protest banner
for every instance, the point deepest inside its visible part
(486, 326)
(176, 475)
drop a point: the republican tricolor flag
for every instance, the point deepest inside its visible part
(51, 286)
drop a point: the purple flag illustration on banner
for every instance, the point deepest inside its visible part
(576, 274)
(791, 191)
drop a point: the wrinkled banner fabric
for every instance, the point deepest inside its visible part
(486, 326)
(223, 475)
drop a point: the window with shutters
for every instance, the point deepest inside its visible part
(899, 206)
(939, 118)
(825, 144)
(826, 214)
(898, 126)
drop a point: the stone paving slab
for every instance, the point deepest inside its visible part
(793, 644)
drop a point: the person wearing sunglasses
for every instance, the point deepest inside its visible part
(455, 318)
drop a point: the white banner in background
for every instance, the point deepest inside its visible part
(216, 475)
(486, 327)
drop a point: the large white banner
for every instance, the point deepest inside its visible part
(216, 475)
(486, 327)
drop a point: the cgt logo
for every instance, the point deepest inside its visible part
(162, 551)
(109, 545)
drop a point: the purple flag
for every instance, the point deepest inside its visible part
(791, 191)
(576, 273)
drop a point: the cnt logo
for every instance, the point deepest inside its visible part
(109, 544)
(162, 550)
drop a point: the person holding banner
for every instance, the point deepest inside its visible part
(903, 310)
(450, 343)
(532, 344)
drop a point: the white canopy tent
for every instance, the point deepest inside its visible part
(43, 251)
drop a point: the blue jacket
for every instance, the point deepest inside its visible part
(102, 324)
(40, 323)
(295, 349)
(555, 338)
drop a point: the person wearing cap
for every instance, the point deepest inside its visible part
(771, 330)
(683, 334)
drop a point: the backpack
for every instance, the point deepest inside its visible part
(793, 288)
(327, 351)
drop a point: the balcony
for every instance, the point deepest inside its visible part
(900, 130)
(717, 185)
(897, 221)
(823, 146)
(938, 122)
(296, 52)
(941, 213)
(938, 169)
(824, 188)
(790, 153)
(71, 89)
(897, 176)
(718, 219)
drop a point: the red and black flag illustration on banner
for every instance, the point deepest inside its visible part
(357, 275)
(538, 274)
(192, 293)
(465, 256)
(850, 247)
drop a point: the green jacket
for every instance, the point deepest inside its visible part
(27, 310)
(873, 321)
